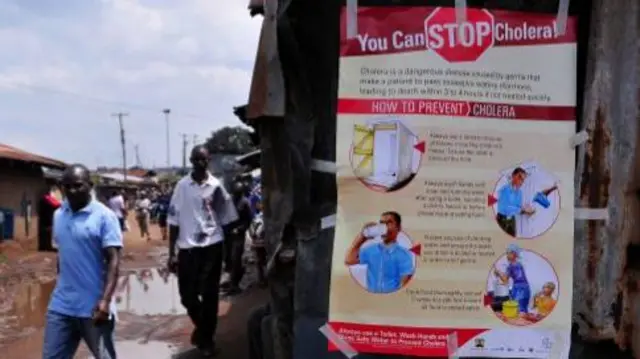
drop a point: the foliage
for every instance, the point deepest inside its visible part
(231, 140)
(95, 178)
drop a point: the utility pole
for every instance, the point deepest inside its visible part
(166, 112)
(137, 151)
(184, 152)
(120, 116)
(195, 140)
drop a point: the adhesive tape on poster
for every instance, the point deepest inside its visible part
(452, 345)
(328, 222)
(461, 11)
(335, 339)
(591, 214)
(561, 18)
(323, 166)
(352, 19)
(579, 138)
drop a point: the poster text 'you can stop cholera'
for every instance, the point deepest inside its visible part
(454, 231)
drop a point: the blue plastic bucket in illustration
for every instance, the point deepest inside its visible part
(542, 200)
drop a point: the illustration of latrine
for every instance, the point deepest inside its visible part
(383, 152)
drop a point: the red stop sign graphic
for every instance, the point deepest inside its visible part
(459, 42)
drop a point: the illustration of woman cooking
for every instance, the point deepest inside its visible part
(520, 289)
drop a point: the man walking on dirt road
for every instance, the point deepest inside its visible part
(89, 243)
(199, 213)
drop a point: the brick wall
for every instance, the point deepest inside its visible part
(14, 184)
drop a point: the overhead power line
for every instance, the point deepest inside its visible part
(120, 103)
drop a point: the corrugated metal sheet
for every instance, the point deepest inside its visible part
(120, 177)
(12, 153)
(607, 274)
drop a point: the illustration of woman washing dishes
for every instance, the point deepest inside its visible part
(520, 289)
(510, 293)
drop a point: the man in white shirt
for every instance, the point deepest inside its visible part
(199, 214)
(117, 205)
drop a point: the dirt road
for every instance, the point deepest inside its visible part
(152, 322)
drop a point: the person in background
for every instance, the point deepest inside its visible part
(255, 198)
(255, 234)
(235, 243)
(142, 208)
(47, 205)
(119, 208)
(199, 214)
(163, 208)
(89, 243)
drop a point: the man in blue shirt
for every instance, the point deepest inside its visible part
(389, 265)
(89, 242)
(510, 202)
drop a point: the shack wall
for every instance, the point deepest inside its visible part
(606, 273)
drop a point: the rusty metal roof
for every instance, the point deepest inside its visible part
(12, 153)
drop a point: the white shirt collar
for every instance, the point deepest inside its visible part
(210, 180)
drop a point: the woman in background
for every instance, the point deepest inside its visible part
(47, 205)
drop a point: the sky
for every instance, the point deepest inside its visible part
(68, 65)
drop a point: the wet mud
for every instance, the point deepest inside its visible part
(151, 321)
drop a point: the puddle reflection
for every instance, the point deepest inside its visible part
(141, 292)
(148, 292)
(30, 304)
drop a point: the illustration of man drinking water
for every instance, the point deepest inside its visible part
(389, 265)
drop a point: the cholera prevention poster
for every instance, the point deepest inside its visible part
(454, 231)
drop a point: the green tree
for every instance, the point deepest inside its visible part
(234, 140)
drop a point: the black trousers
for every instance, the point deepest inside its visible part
(234, 249)
(45, 239)
(507, 224)
(199, 271)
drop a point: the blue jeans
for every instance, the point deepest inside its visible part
(62, 335)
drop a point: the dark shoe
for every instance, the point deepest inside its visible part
(209, 352)
(195, 338)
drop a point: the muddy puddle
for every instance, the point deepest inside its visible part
(142, 296)
(148, 292)
(151, 321)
